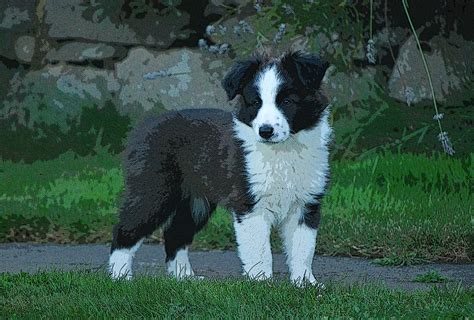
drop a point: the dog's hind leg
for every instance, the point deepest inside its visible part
(140, 215)
(189, 218)
(120, 261)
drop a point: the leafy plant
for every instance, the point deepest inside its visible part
(432, 276)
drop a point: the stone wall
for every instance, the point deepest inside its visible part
(64, 54)
(60, 57)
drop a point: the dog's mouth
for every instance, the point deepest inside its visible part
(272, 141)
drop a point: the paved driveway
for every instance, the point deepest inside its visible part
(150, 259)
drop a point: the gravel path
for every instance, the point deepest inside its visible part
(150, 258)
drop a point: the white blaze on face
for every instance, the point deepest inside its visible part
(268, 84)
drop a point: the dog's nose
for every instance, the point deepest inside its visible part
(265, 131)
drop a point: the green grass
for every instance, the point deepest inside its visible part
(67, 199)
(80, 295)
(400, 208)
(408, 208)
(432, 276)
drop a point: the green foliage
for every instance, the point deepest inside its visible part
(328, 21)
(432, 276)
(218, 233)
(402, 259)
(59, 295)
(404, 208)
(321, 23)
(378, 123)
(94, 128)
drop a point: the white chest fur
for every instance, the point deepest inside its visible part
(285, 176)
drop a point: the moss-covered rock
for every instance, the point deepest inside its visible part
(449, 67)
(94, 127)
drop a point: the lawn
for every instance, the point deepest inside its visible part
(398, 208)
(57, 295)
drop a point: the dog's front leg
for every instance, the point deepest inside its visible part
(299, 240)
(253, 240)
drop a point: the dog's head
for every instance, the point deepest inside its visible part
(280, 96)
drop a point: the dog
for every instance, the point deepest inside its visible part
(267, 163)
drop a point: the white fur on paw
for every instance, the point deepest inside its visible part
(180, 271)
(258, 272)
(307, 280)
(180, 267)
(120, 262)
(118, 274)
(258, 275)
(120, 265)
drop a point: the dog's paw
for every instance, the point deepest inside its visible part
(307, 280)
(122, 273)
(258, 275)
(186, 274)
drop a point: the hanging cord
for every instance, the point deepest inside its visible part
(371, 52)
(371, 15)
(443, 135)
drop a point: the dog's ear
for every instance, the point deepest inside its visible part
(237, 77)
(309, 68)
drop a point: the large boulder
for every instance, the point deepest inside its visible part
(83, 51)
(17, 30)
(6, 75)
(58, 108)
(108, 22)
(448, 65)
(175, 79)
(220, 7)
(61, 107)
(145, 82)
(56, 94)
(343, 88)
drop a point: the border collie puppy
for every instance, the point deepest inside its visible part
(267, 163)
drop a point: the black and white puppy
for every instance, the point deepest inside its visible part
(267, 163)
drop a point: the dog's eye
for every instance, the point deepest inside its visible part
(257, 102)
(286, 101)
